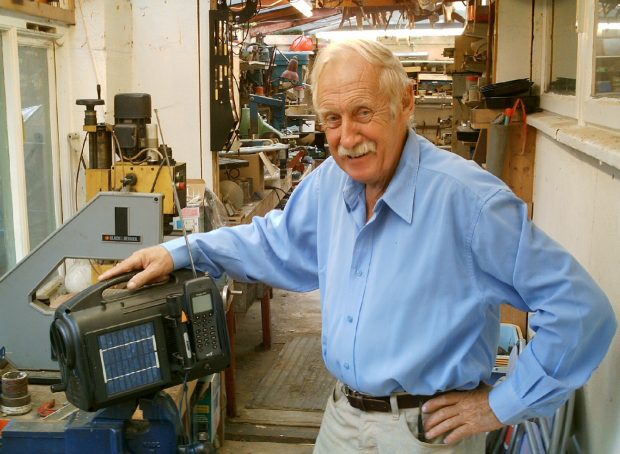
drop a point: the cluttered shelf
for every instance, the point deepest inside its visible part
(269, 199)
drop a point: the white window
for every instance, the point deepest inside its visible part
(563, 70)
(607, 49)
(29, 161)
(581, 51)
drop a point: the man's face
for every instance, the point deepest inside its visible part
(364, 138)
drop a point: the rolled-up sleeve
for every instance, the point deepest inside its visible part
(572, 318)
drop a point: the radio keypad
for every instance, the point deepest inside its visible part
(205, 335)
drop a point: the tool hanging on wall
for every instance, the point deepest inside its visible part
(221, 20)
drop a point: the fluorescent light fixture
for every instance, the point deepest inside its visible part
(339, 35)
(608, 26)
(411, 54)
(303, 6)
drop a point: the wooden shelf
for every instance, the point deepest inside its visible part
(42, 10)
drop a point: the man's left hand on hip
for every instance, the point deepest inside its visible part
(460, 414)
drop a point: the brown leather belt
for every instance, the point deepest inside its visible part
(365, 402)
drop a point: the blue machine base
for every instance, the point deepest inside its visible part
(104, 432)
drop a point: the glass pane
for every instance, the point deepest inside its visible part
(564, 47)
(607, 49)
(35, 97)
(7, 243)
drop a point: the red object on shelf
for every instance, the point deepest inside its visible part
(47, 408)
(302, 43)
(4, 423)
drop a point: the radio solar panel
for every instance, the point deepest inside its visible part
(129, 358)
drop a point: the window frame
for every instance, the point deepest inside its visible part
(14, 34)
(584, 107)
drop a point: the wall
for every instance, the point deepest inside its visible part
(575, 199)
(576, 202)
(513, 41)
(148, 46)
(165, 63)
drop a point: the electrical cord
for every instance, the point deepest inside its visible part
(278, 189)
(161, 165)
(119, 152)
(188, 412)
(185, 429)
(77, 173)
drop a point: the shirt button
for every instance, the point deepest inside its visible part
(349, 319)
(346, 366)
(358, 273)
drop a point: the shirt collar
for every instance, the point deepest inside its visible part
(400, 192)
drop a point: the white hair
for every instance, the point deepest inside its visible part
(393, 80)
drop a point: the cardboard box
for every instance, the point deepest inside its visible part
(255, 171)
(281, 183)
(208, 410)
(480, 118)
(195, 192)
(194, 219)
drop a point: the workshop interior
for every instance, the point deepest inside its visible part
(125, 123)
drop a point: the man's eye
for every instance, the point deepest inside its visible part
(364, 115)
(332, 120)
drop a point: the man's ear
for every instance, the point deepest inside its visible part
(409, 98)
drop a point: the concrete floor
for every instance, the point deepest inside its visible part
(292, 314)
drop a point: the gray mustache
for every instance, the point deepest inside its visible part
(358, 150)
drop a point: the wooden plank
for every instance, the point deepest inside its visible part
(519, 165)
(42, 10)
(519, 176)
(279, 417)
(275, 434)
(480, 153)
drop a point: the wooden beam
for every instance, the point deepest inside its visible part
(290, 13)
(356, 3)
(41, 10)
(281, 23)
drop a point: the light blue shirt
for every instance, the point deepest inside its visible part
(411, 299)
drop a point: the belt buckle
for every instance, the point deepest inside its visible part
(355, 398)
(362, 399)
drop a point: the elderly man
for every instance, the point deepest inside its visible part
(414, 250)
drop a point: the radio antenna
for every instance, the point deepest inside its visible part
(177, 202)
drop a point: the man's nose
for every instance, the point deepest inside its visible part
(349, 133)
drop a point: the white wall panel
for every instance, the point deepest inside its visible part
(165, 62)
(577, 201)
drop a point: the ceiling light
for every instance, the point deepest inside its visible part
(303, 6)
(339, 35)
(411, 54)
(608, 26)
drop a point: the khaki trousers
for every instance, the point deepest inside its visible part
(345, 429)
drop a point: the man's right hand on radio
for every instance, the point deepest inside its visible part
(156, 263)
